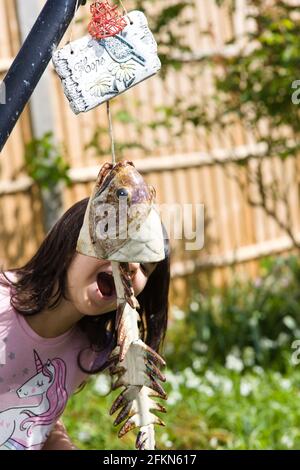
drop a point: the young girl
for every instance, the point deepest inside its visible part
(57, 326)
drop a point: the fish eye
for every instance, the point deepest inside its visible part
(122, 192)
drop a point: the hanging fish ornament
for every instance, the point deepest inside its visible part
(121, 223)
(123, 236)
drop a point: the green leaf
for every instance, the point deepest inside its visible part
(44, 162)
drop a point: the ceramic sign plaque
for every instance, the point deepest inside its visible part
(95, 70)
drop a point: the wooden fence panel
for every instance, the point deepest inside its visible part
(20, 211)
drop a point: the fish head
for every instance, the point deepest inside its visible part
(119, 181)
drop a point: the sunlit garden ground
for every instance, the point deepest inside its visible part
(231, 380)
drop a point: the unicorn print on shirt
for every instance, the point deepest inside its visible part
(24, 428)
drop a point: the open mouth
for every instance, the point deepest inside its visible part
(106, 284)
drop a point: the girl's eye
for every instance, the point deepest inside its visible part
(147, 268)
(40, 384)
(144, 269)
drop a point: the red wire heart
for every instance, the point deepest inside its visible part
(106, 20)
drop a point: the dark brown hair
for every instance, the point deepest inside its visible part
(33, 290)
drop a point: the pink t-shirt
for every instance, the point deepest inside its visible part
(37, 376)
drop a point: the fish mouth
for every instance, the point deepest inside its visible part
(106, 284)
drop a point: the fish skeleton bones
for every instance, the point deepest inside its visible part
(121, 224)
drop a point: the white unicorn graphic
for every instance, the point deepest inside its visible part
(27, 428)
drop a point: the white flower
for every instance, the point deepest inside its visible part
(258, 370)
(191, 379)
(245, 388)
(177, 313)
(285, 384)
(83, 436)
(274, 405)
(234, 363)
(102, 384)
(100, 87)
(213, 442)
(222, 383)
(193, 382)
(165, 440)
(289, 322)
(174, 379)
(287, 441)
(283, 338)
(206, 390)
(212, 378)
(200, 347)
(123, 72)
(174, 397)
(85, 433)
(267, 343)
(194, 306)
(198, 363)
(227, 385)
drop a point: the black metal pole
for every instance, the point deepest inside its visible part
(32, 60)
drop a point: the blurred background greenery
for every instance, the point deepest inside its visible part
(231, 380)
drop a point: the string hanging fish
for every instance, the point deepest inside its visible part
(122, 225)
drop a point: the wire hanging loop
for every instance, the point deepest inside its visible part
(106, 20)
(73, 22)
(124, 8)
(111, 134)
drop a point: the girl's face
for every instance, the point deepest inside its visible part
(90, 297)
